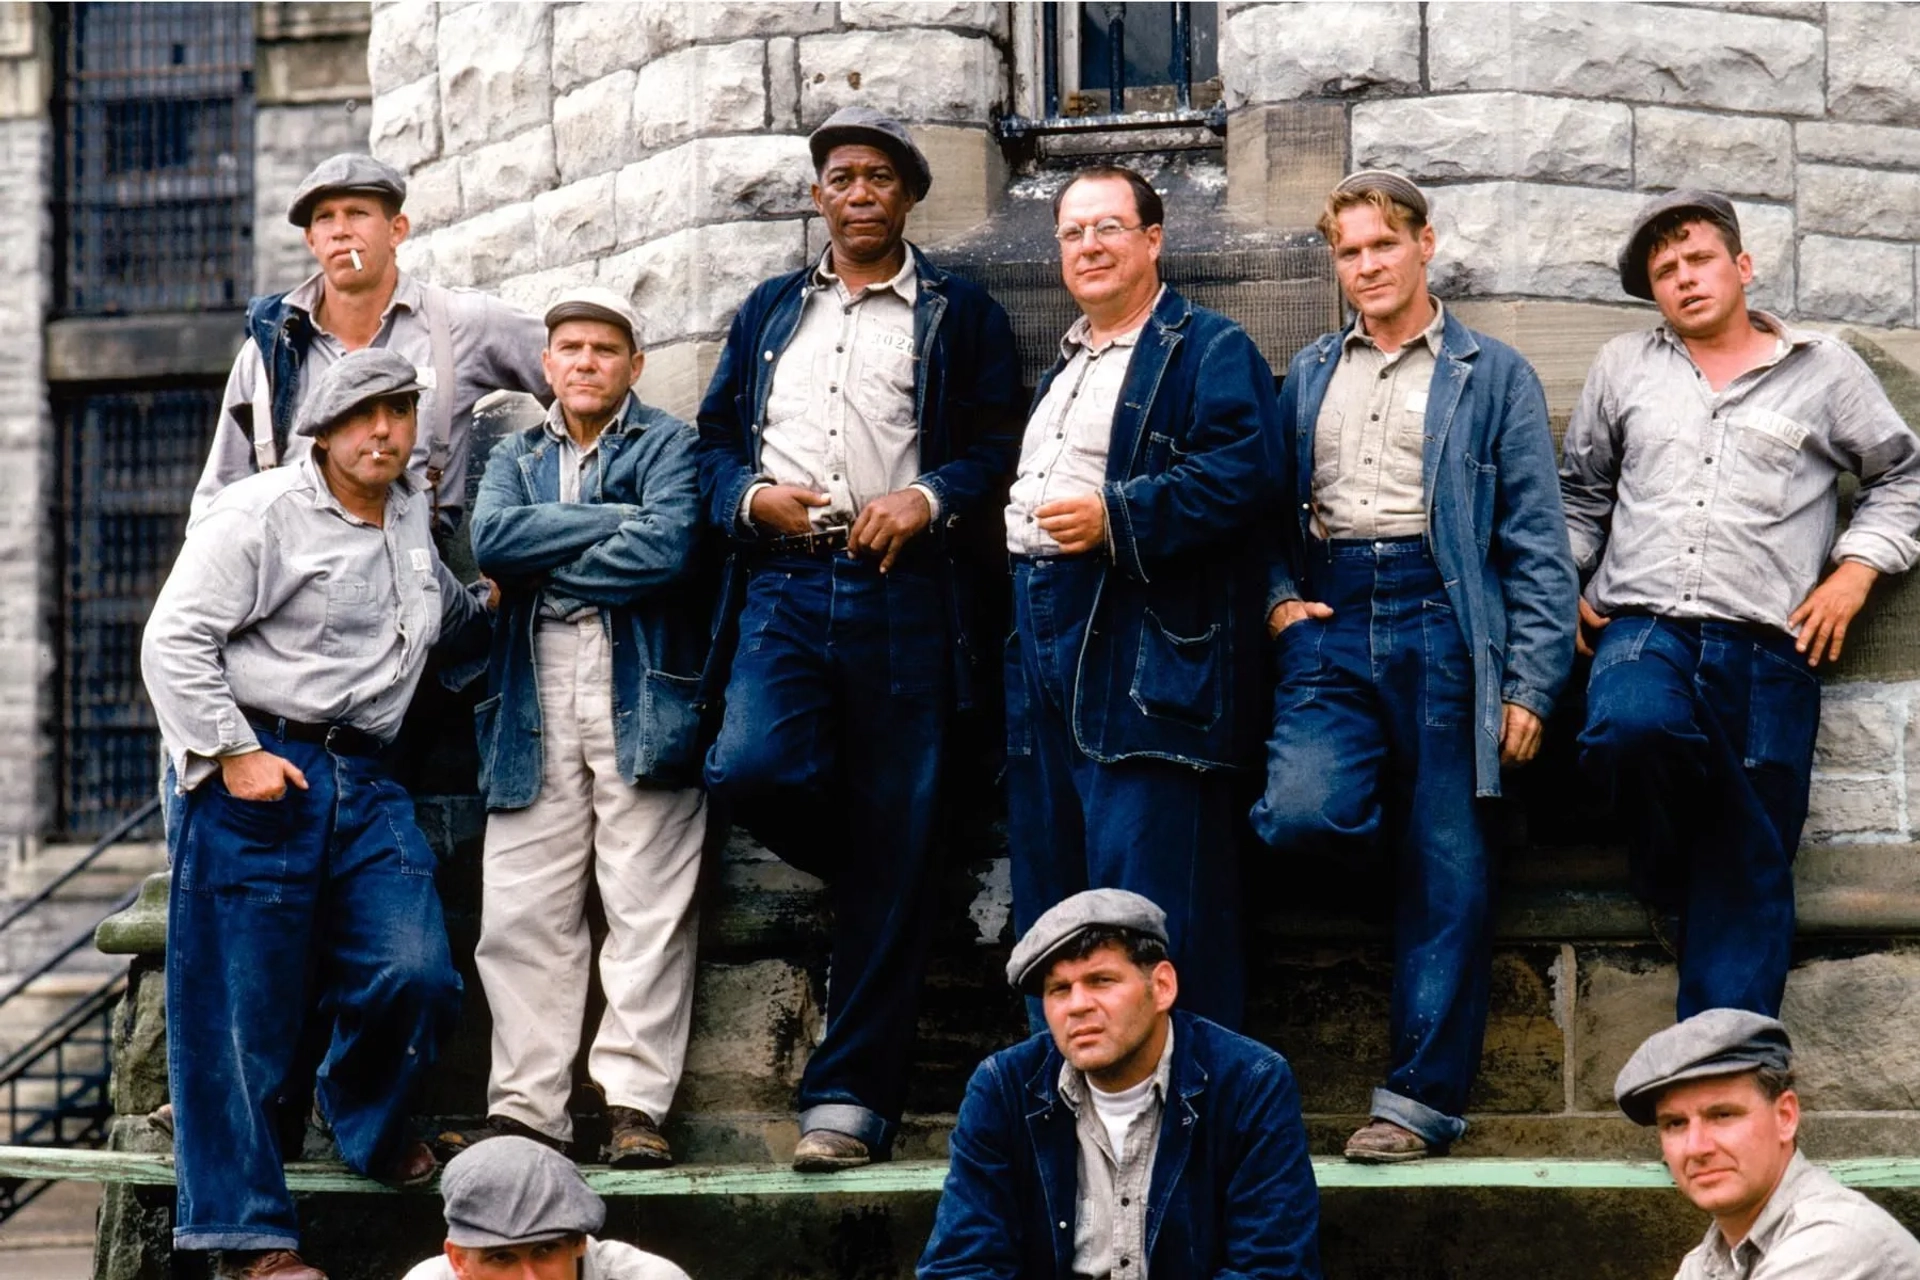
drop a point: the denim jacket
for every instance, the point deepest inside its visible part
(1232, 1195)
(1171, 666)
(966, 385)
(1494, 520)
(629, 546)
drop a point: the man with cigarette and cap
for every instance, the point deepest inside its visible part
(1128, 1138)
(519, 1210)
(859, 415)
(1421, 633)
(1699, 476)
(1719, 1089)
(463, 343)
(279, 657)
(589, 738)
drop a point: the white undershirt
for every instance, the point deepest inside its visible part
(1118, 1111)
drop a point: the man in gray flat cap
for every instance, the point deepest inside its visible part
(1077, 1121)
(1699, 476)
(463, 343)
(280, 657)
(589, 738)
(1719, 1088)
(518, 1210)
(860, 413)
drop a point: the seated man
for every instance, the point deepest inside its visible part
(517, 1208)
(1719, 1087)
(1178, 1143)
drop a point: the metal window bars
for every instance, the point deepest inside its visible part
(1107, 53)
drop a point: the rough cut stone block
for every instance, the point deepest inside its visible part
(405, 131)
(593, 127)
(1276, 52)
(934, 75)
(691, 282)
(1502, 238)
(484, 250)
(673, 25)
(711, 89)
(972, 177)
(1869, 144)
(1856, 1031)
(139, 1082)
(783, 84)
(1740, 155)
(594, 40)
(1852, 808)
(990, 18)
(753, 1027)
(1863, 281)
(535, 293)
(1860, 202)
(676, 376)
(517, 169)
(433, 194)
(1873, 62)
(400, 46)
(494, 76)
(1859, 734)
(1767, 232)
(576, 222)
(1622, 996)
(1497, 135)
(414, 255)
(1632, 52)
(712, 180)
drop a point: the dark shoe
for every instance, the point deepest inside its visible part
(636, 1142)
(161, 1118)
(824, 1151)
(1384, 1142)
(265, 1264)
(452, 1142)
(413, 1167)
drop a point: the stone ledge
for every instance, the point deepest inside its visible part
(111, 348)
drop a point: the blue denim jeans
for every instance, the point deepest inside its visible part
(1700, 734)
(830, 754)
(1160, 829)
(1373, 724)
(317, 905)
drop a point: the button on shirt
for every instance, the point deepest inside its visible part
(1369, 442)
(579, 472)
(283, 601)
(1064, 451)
(1110, 1217)
(1691, 503)
(1811, 1229)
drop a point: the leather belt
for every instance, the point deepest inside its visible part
(821, 544)
(341, 739)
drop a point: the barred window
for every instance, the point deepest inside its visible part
(1101, 65)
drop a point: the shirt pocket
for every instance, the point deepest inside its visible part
(1766, 455)
(353, 625)
(882, 377)
(1406, 439)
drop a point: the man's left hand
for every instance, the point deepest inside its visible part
(1079, 524)
(885, 526)
(1822, 617)
(1520, 734)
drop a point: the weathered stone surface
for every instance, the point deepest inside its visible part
(433, 194)
(24, 86)
(1631, 52)
(486, 249)
(1856, 1031)
(712, 180)
(935, 75)
(990, 18)
(710, 89)
(494, 75)
(783, 84)
(1872, 70)
(1860, 202)
(594, 40)
(1805, 10)
(1860, 730)
(1559, 339)
(677, 375)
(1767, 233)
(691, 282)
(593, 127)
(1515, 238)
(753, 1026)
(405, 130)
(330, 70)
(1622, 996)
(401, 44)
(1275, 52)
(673, 25)
(507, 172)
(1864, 281)
(1497, 135)
(414, 255)
(1852, 808)
(1739, 155)
(535, 292)
(1878, 145)
(970, 173)
(1282, 159)
(139, 1082)
(576, 222)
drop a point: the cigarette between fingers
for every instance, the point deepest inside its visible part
(355, 255)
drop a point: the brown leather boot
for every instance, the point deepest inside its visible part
(414, 1166)
(637, 1142)
(824, 1151)
(1384, 1142)
(265, 1264)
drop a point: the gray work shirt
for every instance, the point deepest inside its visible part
(1691, 503)
(1110, 1215)
(493, 348)
(605, 1260)
(1812, 1228)
(579, 468)
(1370, 440)
(284, 602)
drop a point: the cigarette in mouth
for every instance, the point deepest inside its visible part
(355, 255)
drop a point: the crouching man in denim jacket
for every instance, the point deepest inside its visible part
(589, 739)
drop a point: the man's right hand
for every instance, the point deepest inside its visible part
(259, 775)
(783, 508)
(1288, 612)
(1590, 625)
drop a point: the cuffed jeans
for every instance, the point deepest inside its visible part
(1163, 830)
(642, 846)
(1373, 725)
(321, 903)
(830, 754)
(1701, 736)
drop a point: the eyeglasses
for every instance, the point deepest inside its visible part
(1105, 230)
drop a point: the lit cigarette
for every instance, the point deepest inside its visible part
(355, 254)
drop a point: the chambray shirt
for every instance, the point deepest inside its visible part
(1811, 1229)
(1110, 1217)
(1370, 440)
(1691, 503)
(579, 469)
(284, 602)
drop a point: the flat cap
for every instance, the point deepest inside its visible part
(337, 175)
(1710, 205)
(351, 381)
(1395, 187)
(510, 1190)
(1718, 1042)
(866, 127)
(591, 302)
(1066, 920)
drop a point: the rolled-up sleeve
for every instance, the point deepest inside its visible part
(1883, 450)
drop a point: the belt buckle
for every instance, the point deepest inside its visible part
(327, 742)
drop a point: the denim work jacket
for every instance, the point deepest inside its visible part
(1171, 665)
(966, 383)
(1494, 520)
(1232, 1196)
(629, 546)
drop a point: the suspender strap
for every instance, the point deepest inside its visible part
(439, 406)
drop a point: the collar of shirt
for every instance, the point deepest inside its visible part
(1079, 334)
(556, 425)
(399, 493)
(1759, 1237)
(905, 281)
(305, 296)
(1433, 335)
(1787, 340)
(1074, 1086)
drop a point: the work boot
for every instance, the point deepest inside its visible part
(636, 1143)
(824, 1151)
(1384, 1142)
(413, 1167)
(452, 1142)
(265, 1264)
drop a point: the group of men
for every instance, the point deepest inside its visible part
(1378, 572)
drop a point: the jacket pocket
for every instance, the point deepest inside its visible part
(486, 734)
(671, 725)
(1483, 483)
(1178, 677)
